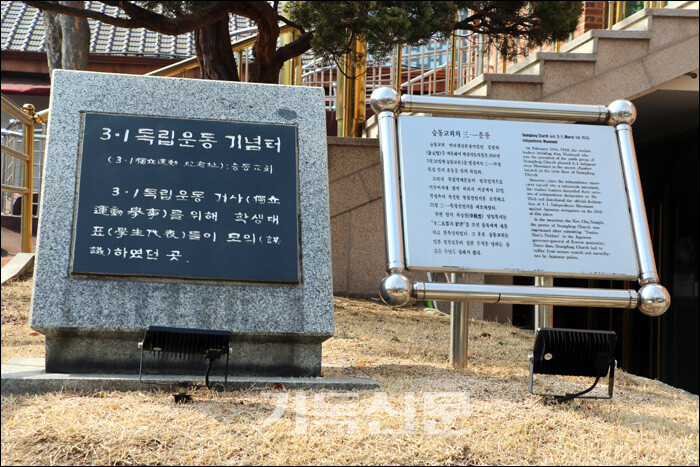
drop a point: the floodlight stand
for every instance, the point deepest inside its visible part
(179, 341)
(568, 396)
(574, 352)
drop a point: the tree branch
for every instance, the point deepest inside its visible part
(140, 17)
(295, 48)
(57, 8)
(189, 22)
(267, 62)
(511, 22)
(513, 26)
(468, 21)
(291, 23)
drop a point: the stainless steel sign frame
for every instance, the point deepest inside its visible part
(396, 289)
(513, 197)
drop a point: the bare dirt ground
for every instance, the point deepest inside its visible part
(423, 413)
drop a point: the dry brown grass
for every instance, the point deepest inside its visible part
(18, 339)
(646, 422)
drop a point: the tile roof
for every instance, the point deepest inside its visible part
(23, 31)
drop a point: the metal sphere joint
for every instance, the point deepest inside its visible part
(654, 299)
(396, 290)
(622, 111)
(384, 98)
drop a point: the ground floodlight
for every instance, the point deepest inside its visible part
(186, 343)
(181, 395)
(574, 352)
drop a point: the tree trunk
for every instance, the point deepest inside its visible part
(267, 72)
(213, 47)
(67, 40)
(75, 48)
(53, 41)
(268, 62)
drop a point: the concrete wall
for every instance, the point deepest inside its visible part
(357, 222)
(357, 225)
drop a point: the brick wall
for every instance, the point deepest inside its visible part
(593, 17)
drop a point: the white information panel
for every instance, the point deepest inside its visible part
(521, 198)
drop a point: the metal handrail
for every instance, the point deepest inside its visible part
(10, 107)
(14, 189)
(423, 75)
(26, 116)
(6, 132)
(14, 153)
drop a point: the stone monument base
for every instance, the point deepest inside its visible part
(23, 376)
(116, 352)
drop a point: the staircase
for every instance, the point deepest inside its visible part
(649, 48)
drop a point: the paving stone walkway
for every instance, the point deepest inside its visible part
(10, 243)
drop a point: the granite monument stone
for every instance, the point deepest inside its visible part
(183, 203)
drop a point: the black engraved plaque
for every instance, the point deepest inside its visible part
(181, 198)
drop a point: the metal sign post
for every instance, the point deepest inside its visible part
(459, 325)
(544, 314)
(469, 216)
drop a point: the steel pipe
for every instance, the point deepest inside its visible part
(622, 115)
(482, 108)
(385, 102)
(392, 198)
(640, 225)
(455, 292)
(544, 314)
(528, 295)
(459, 326)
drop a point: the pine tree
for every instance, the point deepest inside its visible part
(330, 26)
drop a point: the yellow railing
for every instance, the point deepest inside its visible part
(352, 93)
(26, 116)
(617, 11)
